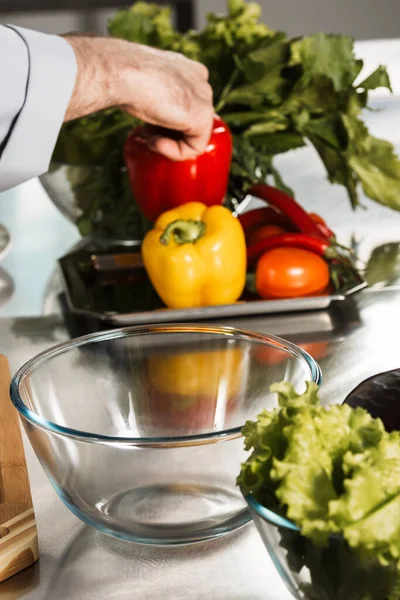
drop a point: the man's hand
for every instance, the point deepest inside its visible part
(164, 89)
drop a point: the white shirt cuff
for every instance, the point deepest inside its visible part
(51, 80)
(14, 70)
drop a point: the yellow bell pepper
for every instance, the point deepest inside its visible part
(196, 256)
(198, 373)
(192, 390)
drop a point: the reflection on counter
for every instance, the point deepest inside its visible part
(145, 566)
(6, 287)
(383, 266)
(4, 241)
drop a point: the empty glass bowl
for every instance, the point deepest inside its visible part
(138, 429)
(333, 572)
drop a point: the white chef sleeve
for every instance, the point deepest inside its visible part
(37, 77)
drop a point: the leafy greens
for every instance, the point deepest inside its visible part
(331, 470)
(275, 93)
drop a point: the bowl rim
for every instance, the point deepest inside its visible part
(269, 515)
(274, 518)
(161, 441)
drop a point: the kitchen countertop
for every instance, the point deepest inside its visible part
(78, 563)
(362, 335)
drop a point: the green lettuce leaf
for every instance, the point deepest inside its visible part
(329, 56)
(329, 130)
(383, 266)
(371, 477)
(375, 163)
(91, 139)
(378, 533)
(330, 469)
(304, 476)
(144, 23)
(272, 125)
(270, 90)
(264, 436)
(310, 476)
(271, 55)
(379, 78)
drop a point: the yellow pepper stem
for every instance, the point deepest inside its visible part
(183, 232)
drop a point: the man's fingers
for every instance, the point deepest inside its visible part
(180, 145)
(202, 70)
(171, 94)
(199, 137)
(177, 150)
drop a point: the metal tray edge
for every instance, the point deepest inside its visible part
(255, 307)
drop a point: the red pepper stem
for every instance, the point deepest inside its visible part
(183, 232)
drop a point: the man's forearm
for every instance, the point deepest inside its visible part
(76, 76)
(94, 89)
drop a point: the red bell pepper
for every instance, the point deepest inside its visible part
(160, 184)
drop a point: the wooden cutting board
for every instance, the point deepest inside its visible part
(18, 534)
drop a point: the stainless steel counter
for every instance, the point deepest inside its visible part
(80, 564)
(359, 340)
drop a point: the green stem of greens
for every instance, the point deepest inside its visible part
(111, 131)
(227, 89)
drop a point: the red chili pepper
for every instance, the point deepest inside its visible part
(326, 232)
(294, 240)
(322, 226)
(160, 184)
(288, 206)
(262, 216)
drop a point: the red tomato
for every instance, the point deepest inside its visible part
(317, 219)
(267, 355)
(265, 231)
(321, 224)
(273, 356)
(317, 350)
(291, 273)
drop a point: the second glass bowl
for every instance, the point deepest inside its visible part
(331, 572)
(138, 429)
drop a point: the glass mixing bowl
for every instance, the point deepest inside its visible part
(332, 572)
(138, 429)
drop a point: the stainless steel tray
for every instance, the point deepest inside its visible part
(251, 307)
(165, 315)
